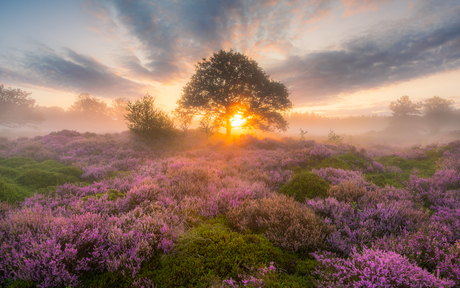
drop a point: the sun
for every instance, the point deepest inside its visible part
(237, 120)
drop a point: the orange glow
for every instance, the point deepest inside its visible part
(237, 120)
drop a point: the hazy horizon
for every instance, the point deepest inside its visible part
(337, 58)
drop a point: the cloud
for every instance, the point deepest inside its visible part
(356, 6)
(71, 72)
(426, 44)
(174, 34)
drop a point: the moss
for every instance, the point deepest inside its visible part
(389, 178)
(355, 161)
(305, 185)
(213, 252)
(112, 195)
(334, 163)
(106, 280)
(426, 167)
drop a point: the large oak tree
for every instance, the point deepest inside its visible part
(230, 83)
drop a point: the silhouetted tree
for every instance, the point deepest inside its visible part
(230, 83)
(17, 108)
(89, 107)
(118, 109)
(437, 112)
(147, 121)
(405, 120)
(404, 107)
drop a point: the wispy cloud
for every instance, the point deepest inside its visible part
(425, 44)
(175, 34)
(356, 6)
(71, 72)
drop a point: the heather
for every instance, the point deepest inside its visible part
(116, 211)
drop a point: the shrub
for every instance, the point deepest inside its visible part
(347, 192)
(374, 268)
(147, 121)
(320, 152)
(283, 221)
(11, 192)
(213, 252)
(305, 185)
(16, 162)
(35, 179)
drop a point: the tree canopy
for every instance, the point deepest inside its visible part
(404, 107)
(230, 83)
(17, 108)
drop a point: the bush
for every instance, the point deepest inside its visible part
(16, 162)
(347, 192)
(305, 185)
(11, 192)
(211, 253)
(147, 121)
(35, 179)
(374, 268)
(283, 221)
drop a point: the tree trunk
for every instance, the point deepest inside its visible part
(229, 127)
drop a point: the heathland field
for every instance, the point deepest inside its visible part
(90, 210)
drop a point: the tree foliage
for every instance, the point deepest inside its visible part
(437, 106)
(404, 107)
(91, 107)
(17, 108)
(438, 112)
(230, 83)
(148, 121)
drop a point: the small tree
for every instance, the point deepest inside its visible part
(90, 107)
(302, 134)
(437, 112)
(17, 108)
(334, 138)
(147, 121)
(230, 83)
(207, 126)
(404, 107)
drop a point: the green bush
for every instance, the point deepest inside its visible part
(34, 179)
(16, 162)
(305, 185)
(211, 253)
(8, 172)
(11, 192)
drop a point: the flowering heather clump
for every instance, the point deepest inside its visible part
(320, 152)
(361, 225)
(429, 248)
(374, 268)
(56, 251)
(347, 192)
(337, 176)
(283, 221)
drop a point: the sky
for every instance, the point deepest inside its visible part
(336, 57)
